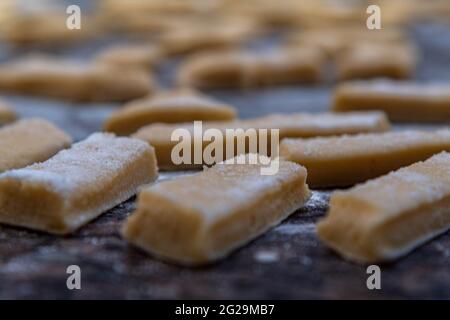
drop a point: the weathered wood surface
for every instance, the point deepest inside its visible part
(287, 262)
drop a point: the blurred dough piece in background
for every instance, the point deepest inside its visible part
(73, 80)
(335, 40)
(373, 60)
(142, 55)
(400, 100)
(180, 105)
(28, 141)
(7, 114)
(244, 69)
(210, 33)
(43, 24)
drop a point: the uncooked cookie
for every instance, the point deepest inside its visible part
(203, 217)
(182, 105)
(76, 185)
(402, 101)
(28, 141)
(131, 55)
(73, 80)
(347, 160)
(388, 217)
(7, 114)
(289, 125)
(244, 69)
(372, 60)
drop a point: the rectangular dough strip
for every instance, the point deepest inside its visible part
(289, 125)
(203, 217)
(386, 218)
(401, 100)
(347, 160)
(76, 185)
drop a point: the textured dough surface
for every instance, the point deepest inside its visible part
(346, 160)
(73, 80)
(28, 141)
(388, 217)
(76, 185)
(401, 100)
(289, 125)
(175, 106)
(203, 217)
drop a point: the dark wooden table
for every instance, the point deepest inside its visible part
(287, 262)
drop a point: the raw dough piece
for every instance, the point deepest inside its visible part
(372, 60)
(28, 141)
(402, 101)
(388, 217)
(186, 38)
(347, 160)
(290, 125)
(76, 185)
(131, 55)
(200, 218)
(47, 29)
(73, 80)
(6, 114)
(335, 40)
(245, 69)
(170, 107)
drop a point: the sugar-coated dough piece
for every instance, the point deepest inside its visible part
(200, 218)
(73, 80)
(289, 125)
(131, 55)
(245, 69)
(388, 217)
(372, 60)
(402, 101)
(175, 106)
(347, 160)
(6, 114)
(28, 141)
(76, 185)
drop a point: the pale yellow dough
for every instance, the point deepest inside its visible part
(289, 125)
(28, 141)
(372, 60)
(186, 38)
(7, 114)
(73, 80)
(131, 55)
(174, 106)
(200, 218)
(388, 217)
(335, 40)
(244, 69)
(76, 185)
(402, 101)
(347, 160)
